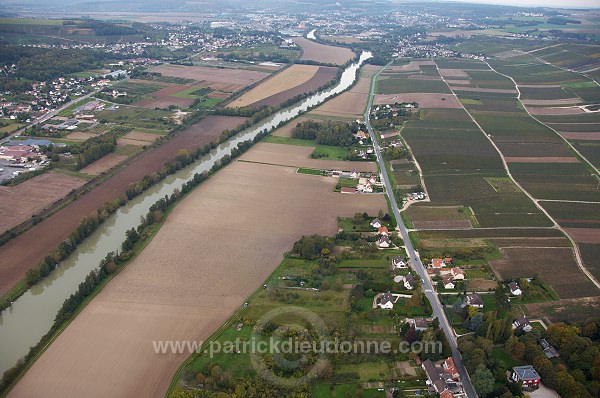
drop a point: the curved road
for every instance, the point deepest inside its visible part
(417, 265)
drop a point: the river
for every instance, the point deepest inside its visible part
(24, 323)
(311, 35)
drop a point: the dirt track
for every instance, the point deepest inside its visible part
(44, 237)
(214, 250)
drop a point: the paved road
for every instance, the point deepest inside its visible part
(438, 310)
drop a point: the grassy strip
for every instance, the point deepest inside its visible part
(317, 172)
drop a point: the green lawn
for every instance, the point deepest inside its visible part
(304, 170)
(501, 355)
(273, 139)
(331, 152)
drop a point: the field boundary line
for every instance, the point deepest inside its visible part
(576, 250)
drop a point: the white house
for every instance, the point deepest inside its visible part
(398, 262)
(384, 242)
(457, 274)
(386, 301)
(409, 282)
(515, 290)
(376, 223)
(474, 300)
(448, 283)
(523, 324)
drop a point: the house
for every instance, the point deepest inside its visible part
(376, 223)
(383, 231)
(409, 282)
(348, 190)
(457, 274)
(384, 242)
(361, 135)
(434, 380)
(450, 368)
(514, 289)
(446, 394)
(398, 262)
(474, 300)
(386, 301)
(420, 324)
(437, 263)
(447, 281)
(549, 350)
(527, 376)
(522, 324)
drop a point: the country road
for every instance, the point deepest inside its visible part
(417, 265)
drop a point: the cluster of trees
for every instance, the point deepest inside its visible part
(393, 153)
(428, 336)
(41, 64)
(327, 132)
(488, 374)
(313, 246)
(95, 148)
(102, 28)
(253, 56)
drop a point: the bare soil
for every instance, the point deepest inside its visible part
(214, 250)
(103, 164)
(591, 136)
(211, 75)
(295, 156)
(322, 53)
(554, 265)
(45, 236)
(585, 235)
(19, 202)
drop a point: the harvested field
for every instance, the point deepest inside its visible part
(569, 310)
(142, 136)
(164, 98)
(591, 136)
(442, 224)
(80, 136)
(571, 110)
(484, 90)
(322, 75)
(126, 141)
(104, 163)
(540, 102)
(291, 77)
(454, 82)
(540, 159)
(45, 236)
(555, 265)
(19, 202)
(312, 51)
(453, 73)
(425, 100)
(213, 77)
(531, 242)
(188, 280)
(584, 235)
(413, 66)
(479, 285)
(295, 156)
(533, 149)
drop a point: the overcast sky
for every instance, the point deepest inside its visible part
(542, 3)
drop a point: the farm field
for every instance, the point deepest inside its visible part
(555, 266)
(297, 79)
(312, 51)
(295, 156)
(47, 235)
(19, 202)
(103, 164)
(229, 80)
(351, 103)
(190, 298)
